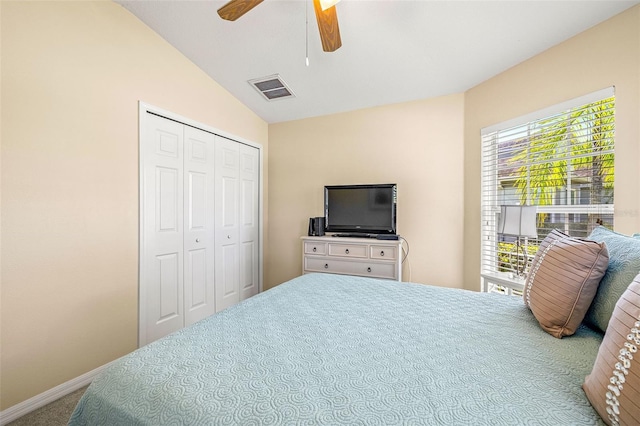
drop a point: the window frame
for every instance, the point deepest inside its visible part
(490, 179)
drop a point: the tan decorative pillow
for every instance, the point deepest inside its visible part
(563, 281)
(613, 387)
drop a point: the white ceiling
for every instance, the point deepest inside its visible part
(392, 50)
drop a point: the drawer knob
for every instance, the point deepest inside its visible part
(314, 250)
(381, 253)
(369, 269)
(326, 266)
(346, 251)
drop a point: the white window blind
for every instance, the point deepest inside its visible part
(560, 160)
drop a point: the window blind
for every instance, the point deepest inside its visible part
(561, 161)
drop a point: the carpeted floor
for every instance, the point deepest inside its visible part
(56, 413)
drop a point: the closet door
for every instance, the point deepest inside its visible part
(199, 181)
(227, 157)
(199, 224)
(161, 285)
(249, 220)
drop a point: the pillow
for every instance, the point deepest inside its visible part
(563, 280)
(613, 387)
(624, 264)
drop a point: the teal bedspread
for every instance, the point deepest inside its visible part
(338, 350)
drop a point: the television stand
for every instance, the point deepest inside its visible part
(365, 257)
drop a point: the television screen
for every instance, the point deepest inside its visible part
(360, 208)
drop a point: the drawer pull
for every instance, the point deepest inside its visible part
(326, 266)
(314, 249)
(369, 269)
(381, 253)
(346, 251)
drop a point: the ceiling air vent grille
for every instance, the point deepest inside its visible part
(272, 87)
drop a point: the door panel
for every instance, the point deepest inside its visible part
(247, 279)
(197, 201)
(196, 276)
(226, 235)
(161, 252)
(168, 289)
(249, 214)
(199, 239)
(167, 193)
(249, 203)
(229, 188)
(168, 139)
(230, 283)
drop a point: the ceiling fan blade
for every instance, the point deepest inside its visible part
(236, 8)
(328, 26)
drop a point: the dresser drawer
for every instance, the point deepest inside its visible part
(383, 252)
(364, 269)
(348, 250)
(312, 247)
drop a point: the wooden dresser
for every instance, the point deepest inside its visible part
(366, 257)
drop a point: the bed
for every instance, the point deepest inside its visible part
(340, 350)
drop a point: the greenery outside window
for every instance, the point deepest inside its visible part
(560, 159)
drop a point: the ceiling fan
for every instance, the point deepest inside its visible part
(325, 15)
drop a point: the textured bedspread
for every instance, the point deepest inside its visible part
(337, 350)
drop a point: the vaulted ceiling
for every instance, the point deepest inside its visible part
(392, 50)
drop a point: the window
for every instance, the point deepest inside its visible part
(560, 160)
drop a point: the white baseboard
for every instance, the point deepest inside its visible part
(32, 404)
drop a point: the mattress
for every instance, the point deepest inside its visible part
(338, 350)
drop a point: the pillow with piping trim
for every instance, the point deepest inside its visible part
(563, 281)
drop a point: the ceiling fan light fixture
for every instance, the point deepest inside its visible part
(325, 15)
(326, 4)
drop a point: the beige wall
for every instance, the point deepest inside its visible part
(72, 73)
(418, 145)
(398, 143)
(606, 55)
(72, 76)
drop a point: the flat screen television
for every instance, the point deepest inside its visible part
(366, 209)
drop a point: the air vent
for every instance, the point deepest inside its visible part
(272, 87)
